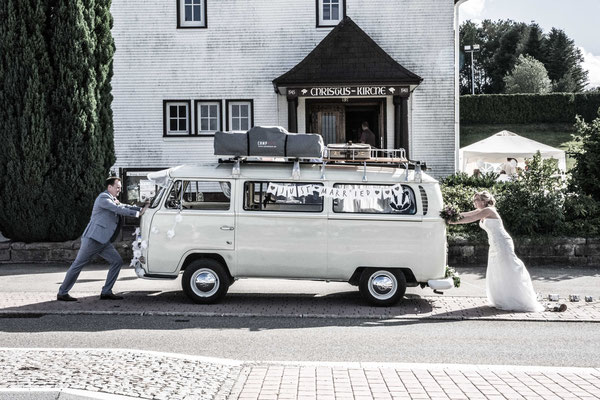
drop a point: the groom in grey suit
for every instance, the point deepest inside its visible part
(97, 237)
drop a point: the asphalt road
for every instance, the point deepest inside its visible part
(311, 339)
(319, 339)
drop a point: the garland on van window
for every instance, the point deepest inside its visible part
(372, 192)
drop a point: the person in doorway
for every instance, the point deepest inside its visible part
(508, 284)
(97, 238)
(367, 136)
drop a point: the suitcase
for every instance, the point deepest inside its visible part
(349, 151)
(304, 145)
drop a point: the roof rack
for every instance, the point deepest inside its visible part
(395, 158)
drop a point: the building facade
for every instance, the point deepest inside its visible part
(184, 69)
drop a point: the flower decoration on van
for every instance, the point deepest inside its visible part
(137, 246)
(171, 232)
(451, 273)
(450, 213)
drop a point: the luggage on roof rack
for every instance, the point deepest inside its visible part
(268, 141)
(349, 151)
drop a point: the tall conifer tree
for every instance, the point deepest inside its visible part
(25, 155)
(55, 71)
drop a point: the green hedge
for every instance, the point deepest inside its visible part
(528, 108)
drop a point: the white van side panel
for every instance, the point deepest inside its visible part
(402, 242)
(281, 245)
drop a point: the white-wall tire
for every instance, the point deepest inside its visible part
(205, 281)
(382, 287)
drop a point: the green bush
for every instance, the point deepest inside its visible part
(539, 203)
(528, 108)
(586, 153)
(486, 180)
(582, 215)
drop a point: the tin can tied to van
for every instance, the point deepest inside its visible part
(574, 298)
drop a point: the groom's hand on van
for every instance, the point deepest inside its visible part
(146, 205)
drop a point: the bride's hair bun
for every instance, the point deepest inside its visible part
(487, 198)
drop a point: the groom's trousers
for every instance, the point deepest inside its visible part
(89, 248)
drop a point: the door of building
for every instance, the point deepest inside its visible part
(328, 120)
(355, 115)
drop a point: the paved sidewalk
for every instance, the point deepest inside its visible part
(269, 305)
(150, 375)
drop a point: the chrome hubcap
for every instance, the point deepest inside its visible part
(205, 282)
(382, 285)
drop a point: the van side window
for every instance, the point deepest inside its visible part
(292, 197)
(383, 202)
(199, 195)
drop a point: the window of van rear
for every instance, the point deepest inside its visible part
(282, 196)
(376, 199)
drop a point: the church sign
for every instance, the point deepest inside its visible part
(345, 91)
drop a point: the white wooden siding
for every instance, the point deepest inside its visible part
(249, 43)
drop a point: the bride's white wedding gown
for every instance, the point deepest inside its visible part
(508, 284)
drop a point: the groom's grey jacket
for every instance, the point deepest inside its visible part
(105, 217)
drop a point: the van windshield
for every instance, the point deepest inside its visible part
(158, 197)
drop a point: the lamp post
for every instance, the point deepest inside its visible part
(471, 49)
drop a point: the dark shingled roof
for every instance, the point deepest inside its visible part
(347, 56)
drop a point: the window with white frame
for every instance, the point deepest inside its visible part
(330, 12)
(239, 115)
(191, 13)
(177, 117)
(208, 117)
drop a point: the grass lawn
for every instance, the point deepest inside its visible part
(555, 135)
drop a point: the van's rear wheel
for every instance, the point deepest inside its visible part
(382, 287)
(205, 281)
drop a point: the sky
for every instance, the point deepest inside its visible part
(580, 19)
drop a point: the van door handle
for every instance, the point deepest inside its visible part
(227, 228)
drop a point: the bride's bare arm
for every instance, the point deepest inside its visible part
(475, 215)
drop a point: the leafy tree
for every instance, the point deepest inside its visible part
(505, 57)
(528, 76)
(490, 34)
(502, 42)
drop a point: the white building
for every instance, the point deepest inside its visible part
(186, 68)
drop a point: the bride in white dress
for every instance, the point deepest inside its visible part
(508, 284)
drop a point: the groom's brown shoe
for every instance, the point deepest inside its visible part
(65, 297)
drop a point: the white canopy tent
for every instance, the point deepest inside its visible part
(490, 154)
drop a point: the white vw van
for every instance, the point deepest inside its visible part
(374, 226)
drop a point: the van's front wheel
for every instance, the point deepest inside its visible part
(382, 287)
(205, 281)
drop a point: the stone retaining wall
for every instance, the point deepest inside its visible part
(51, 252)
(557, 251)
(576, 252)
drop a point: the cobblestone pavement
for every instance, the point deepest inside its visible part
(342, 306)
(122, 372)
(150, 375)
